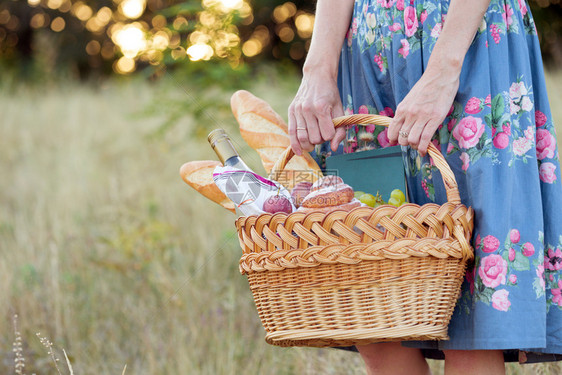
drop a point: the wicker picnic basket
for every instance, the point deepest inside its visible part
(368, 275)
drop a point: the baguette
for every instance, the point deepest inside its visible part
(199, 175)
(266, 132)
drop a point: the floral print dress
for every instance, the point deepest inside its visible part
(499, 140)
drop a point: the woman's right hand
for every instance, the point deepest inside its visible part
(311, 112)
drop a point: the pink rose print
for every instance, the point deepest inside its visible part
(528, 249)
(410, 21)
(540, 275)
(507, 19)
(472, 106)
(450, 147)
(370, 128)
(491, 244)
(511, 255)
(395, 27)
(546, 172)
(523, 7)
(554, 260)
(500, 300)
(405, 49)
(557, 294)
(387, 111)
(540, 118)
(468, 131)
(514, 236)
(363, 110)
(513, 279)
(400, 5)
(501, 140)
(465, 161)
(423, 16)
(546, 144)
(383, 138)
(492, 271)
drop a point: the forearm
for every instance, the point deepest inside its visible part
(330, 27)
(463, 19)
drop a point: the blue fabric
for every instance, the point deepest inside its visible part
(500, 142)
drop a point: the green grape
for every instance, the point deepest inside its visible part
(394, 202)
(398, 195)
(368, 199)
(357, 194)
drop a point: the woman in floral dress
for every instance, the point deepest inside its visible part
(467, 76)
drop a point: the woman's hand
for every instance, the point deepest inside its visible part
(311, 112)
(425, 107)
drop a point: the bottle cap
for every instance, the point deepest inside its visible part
(215, 135)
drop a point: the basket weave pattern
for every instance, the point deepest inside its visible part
(368, 275)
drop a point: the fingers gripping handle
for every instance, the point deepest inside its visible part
(449, 180)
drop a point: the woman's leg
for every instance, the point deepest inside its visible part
(393, 358)
(480, 362)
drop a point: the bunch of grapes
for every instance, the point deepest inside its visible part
(379, 62)
(397, 198)
(495, 33)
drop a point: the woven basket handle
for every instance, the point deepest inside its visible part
(449, 180)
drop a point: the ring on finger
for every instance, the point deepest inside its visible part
(403, 133)
(301, 128)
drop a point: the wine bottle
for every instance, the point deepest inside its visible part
(223, 147)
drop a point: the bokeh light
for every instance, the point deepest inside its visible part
(124, 65)
(200, 51)
(132, 9)
(58, 24)
(130, 39)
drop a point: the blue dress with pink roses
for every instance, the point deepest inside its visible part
(498, 138)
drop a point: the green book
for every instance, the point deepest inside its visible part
(380, 170)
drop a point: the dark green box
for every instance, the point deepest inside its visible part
(380, 170)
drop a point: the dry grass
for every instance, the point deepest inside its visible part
(105, 251)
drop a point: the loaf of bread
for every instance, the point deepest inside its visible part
(199, 175)
(266, 132)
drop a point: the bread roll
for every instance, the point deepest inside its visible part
(199, 175)
(266, 132)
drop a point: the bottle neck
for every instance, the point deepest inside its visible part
(225, 150)
(223, 147)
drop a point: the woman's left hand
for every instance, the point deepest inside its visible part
(425, 107)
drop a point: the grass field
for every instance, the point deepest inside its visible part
(106, 253)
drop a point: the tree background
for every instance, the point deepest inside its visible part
(99, 38)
